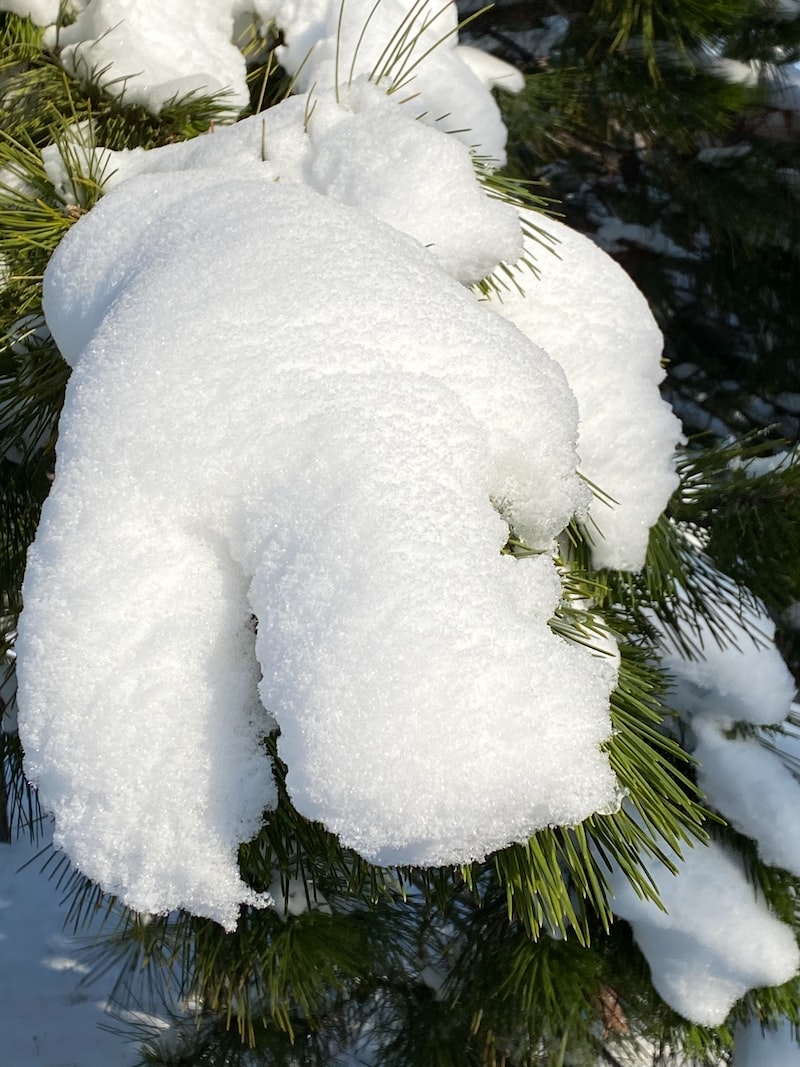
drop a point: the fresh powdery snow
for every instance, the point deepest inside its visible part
(296, 481)
(367, 151)
(610, 348)
(151, 53)
(292, 448)
(716, 939)
(318, 447)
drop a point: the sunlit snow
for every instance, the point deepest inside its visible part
(610, 348)
(292, 448)
(318, 447)
(367, 151)
(151, 53)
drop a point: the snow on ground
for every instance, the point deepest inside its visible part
(48, 1018)
(769, 1046)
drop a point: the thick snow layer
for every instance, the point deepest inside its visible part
(409, 47)
(765, 1046)
(754, 789)
(317, 445)
(366, 151)
(716, 939)
(741, 678)
(610, 348)
(152, 52)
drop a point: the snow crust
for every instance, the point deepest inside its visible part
(717, 938)
(610, 350)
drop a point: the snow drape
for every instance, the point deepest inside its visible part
(290, 454)
(319, 446)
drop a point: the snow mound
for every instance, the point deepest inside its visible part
(732, 773)
(319, 447)
(740, 677)
(365, 150)
(407, 47)
(151, 53)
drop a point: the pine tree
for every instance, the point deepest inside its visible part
(519, 959)
(666, 132)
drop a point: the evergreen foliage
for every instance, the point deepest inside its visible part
(517, 960)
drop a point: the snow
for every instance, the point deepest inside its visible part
(613, 234)
(264, 465)
(700, 955)
(758, 466)
(49, 1013)
(406, 47)
(51, 1010)
(716, 939)
(367, 151)
(281, 498)
(738, 677)
(42, 12)
(491, 70)
(151, 53)
(295, 483)
(732, 773)
(765, 1046)
(610, 348)
(537, 36)
(780, 85)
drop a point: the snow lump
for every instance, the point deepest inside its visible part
(292, 449)
(335, 447)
